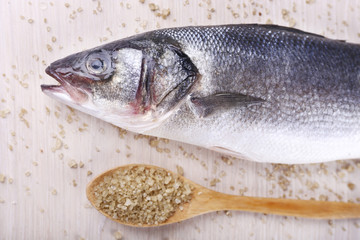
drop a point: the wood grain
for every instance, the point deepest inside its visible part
(43, 198)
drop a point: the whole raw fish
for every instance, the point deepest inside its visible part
(261, 92)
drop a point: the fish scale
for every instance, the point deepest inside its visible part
(299, 98)
(261, 92)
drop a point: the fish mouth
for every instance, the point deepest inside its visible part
(76, 93)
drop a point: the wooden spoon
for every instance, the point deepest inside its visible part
(205, 200)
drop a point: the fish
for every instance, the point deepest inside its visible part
(264, 93)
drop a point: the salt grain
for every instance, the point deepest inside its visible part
(73, 164)
(179, 170)
(214, 182)
(117, 235)
(4, 113)
(22, 113)
(2, 178)
(153, 7)
(58, 145)
(351, 186)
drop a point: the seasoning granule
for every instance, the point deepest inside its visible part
(2, 178)
(141, 195)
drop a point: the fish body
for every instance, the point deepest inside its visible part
(261, 92)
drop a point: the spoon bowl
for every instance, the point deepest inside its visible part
(205, 200)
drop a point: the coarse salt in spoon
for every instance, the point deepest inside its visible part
(146, 196)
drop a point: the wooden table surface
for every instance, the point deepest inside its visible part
(43, 197)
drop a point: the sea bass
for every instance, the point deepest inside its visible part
(260, 92)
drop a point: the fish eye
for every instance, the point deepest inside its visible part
(96, 65)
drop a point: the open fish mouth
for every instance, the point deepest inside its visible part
(78, 94)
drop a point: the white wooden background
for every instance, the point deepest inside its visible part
(41, 197)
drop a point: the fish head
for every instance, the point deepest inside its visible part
(133, 84)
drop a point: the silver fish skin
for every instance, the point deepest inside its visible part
(260, 92)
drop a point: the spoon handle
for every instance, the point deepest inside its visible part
(287, 207)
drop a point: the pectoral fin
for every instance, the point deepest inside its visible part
(204, 106)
